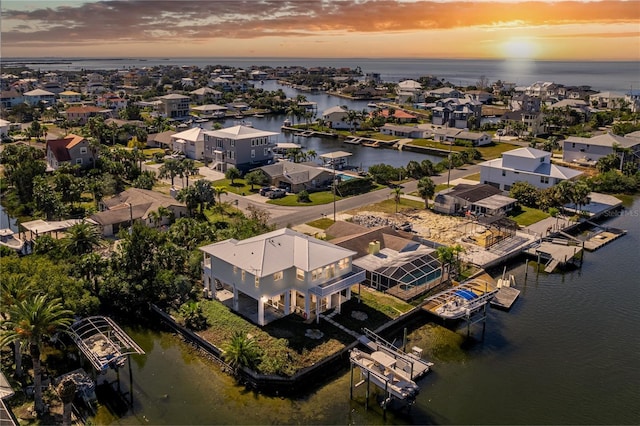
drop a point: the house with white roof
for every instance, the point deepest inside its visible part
(190, 143)
(205, 94)
(587, 151)
(283, 272)
(33, 97)
(239, 146)
(335, 117)
(524, 165)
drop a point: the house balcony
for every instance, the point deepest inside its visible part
(340, 283)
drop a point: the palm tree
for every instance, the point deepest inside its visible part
(445, 256)
(67, 391)
(82, 238)
(397, 192)
(170, 169)
(190, 169)
(30, 321)
(426, 189)
(241, 351)
(14, 288)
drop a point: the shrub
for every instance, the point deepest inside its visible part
(303, 197)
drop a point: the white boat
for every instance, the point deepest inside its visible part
(372, 105)
(9, 239)
(464, 302)
(379, 368)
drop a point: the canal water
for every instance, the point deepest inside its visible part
(362, 157)
(566, 353)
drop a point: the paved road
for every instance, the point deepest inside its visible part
(291, 216)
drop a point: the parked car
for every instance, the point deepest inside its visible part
(264, 190)
(276, 193)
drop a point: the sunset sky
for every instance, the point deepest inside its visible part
(554, 30)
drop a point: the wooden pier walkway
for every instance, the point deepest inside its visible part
(505, 297)
(555, 252)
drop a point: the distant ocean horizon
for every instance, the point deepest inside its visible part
(616, 76)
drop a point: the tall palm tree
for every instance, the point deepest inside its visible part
(14, 288)
(397, 192)
(82, 238)
(426, 189)
(30, 321)
(190, 169)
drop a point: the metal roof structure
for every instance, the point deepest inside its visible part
(103, 342)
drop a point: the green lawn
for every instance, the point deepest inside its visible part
(380, 308)
(528, 216)
(317, 198)
(239, 186)
(491, 151)
(475, 176)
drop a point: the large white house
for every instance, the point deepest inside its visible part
(524, 165)
(283, 272)
(587, 151)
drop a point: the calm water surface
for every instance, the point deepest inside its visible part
(567, 353)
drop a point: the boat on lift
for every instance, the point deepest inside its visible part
(8, 239)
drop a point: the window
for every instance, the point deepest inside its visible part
(233, 144)
(573, 145)
(544, 179)
(278, 276)
(219, 143)
(542, 160)
(257, 281)
(344, 263)
(78, 160)
(83, 150)
(330, 271)
(253, 153)
(504, 173)
(235, 269)
(300, 274)
(242, 275)
(316, 274)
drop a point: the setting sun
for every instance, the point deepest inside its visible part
(519, 49)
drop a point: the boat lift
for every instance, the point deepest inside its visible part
(411, 365)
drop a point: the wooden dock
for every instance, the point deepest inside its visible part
(601, 239)
(505, 297)
(555, 252)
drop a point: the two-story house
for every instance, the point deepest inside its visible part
(72, 149)
(524, 165)
(457, 113)
(242, 147)
(174, 106)
(335, 117)
(82, 114)
(587, 151)
(282, 272)
(190, 143)
(33, 97)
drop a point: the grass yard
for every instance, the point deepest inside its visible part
(528, 216)
(284, 347)
(389, 206)
(239, 186)
(317, 198)
(475, 176)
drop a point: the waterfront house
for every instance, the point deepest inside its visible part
(335, 118)
(587, 151)
(210, 111)
(135, 204)
(456, 113)
(525, 165)
(111, 101)
(444, 93)
(281, 272)
(174, 106)
(189, 142)
(72, 149)
(523, 122)
(205, 94)
(451, 136)
(479, 96)
(412, 132)
(397, 115)
(239, 146)
(478, 200)
(608, 100)
(295, 177)
(392, 261)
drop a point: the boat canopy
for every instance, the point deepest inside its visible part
(466, 294)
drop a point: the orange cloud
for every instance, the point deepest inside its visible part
(125, 23)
